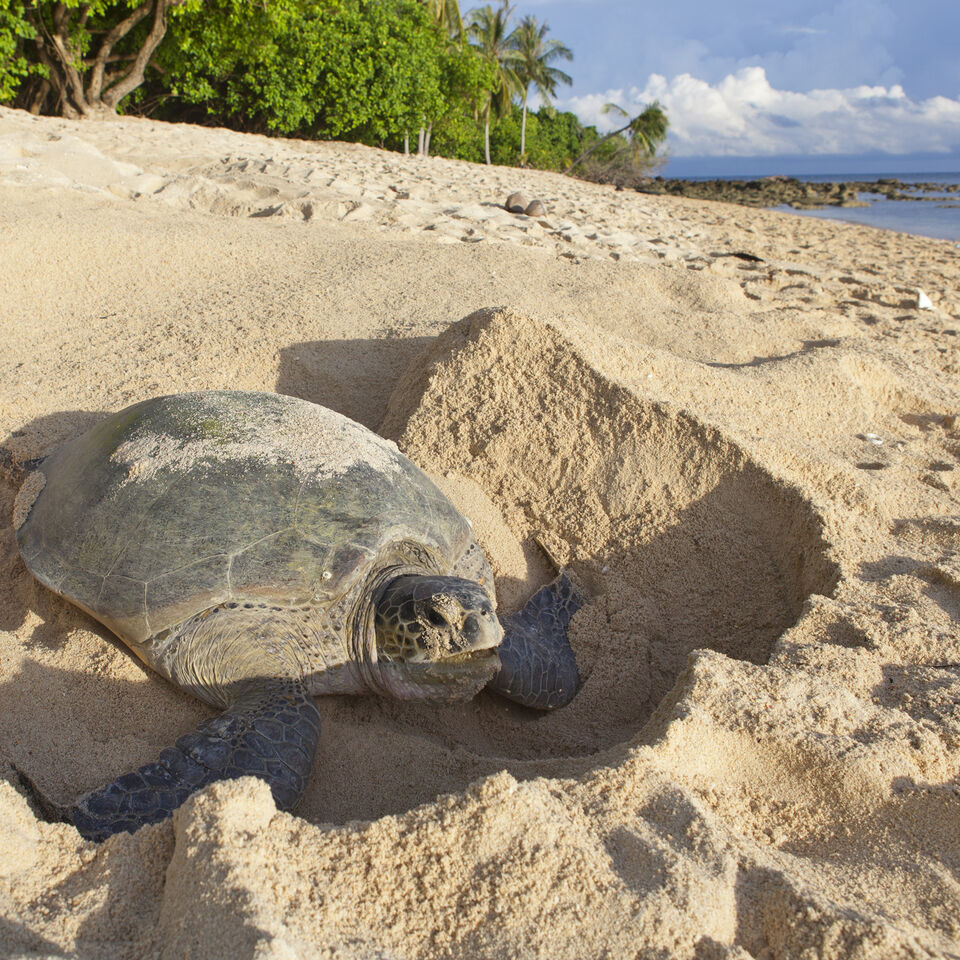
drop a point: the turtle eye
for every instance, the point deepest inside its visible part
(436, 617)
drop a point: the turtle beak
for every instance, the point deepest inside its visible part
(480, 630)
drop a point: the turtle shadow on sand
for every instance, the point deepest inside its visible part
(353, 377)
(42, 434)
(19, 937)
(72, 728)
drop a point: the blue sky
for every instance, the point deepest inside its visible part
(769, 78)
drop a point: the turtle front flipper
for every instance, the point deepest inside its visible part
(270, 730)
(537, 665)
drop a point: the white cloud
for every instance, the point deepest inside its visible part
(743, 115)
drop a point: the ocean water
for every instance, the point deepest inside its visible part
(938, 217)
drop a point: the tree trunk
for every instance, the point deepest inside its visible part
(523, 131)
(406, 143)
(420, 142)
(426, 145)
(128, 81)
(33, 94)
(55, 52)
(586, 153)
(486, 138)
(101, 91)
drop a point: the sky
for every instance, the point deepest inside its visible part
(770, 78)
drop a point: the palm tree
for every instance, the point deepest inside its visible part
(645, 132)
(488, 32)
(533, 65)
(446, 14)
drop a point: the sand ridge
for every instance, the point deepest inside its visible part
(751, 467)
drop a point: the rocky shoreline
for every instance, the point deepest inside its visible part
(802, 195)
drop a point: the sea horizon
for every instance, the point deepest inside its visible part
(926, 218)
(847, 166)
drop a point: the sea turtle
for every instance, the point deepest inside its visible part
(257, 550)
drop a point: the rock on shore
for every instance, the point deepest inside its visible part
(802, 195)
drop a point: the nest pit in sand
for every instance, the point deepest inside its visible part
(678, 537)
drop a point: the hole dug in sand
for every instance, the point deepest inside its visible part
(681, 541)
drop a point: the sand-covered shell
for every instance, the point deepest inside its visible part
(180, 503)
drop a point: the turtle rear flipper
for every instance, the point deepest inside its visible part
(537, 665)
(14, 468)
(269, 731)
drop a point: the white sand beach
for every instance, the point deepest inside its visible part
(738, 429)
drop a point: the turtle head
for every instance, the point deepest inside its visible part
(436, 637)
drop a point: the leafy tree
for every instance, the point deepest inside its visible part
(466, 81)
(14, 30)
(533, 66)
(488, 32)
(644, 133)
(446, 15)
(208, 60)
(554, 138)
(354, 69)
(82, 57)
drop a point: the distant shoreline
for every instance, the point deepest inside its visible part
(919, 166)
(926, 205)
(801, 194)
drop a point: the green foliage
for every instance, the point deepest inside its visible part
(466, 80)
(554, 139)
(354, 69)
(368, 70)
(14, 65)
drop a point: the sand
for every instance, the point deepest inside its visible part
(738, 429)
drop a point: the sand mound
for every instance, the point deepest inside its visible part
(681, 540)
